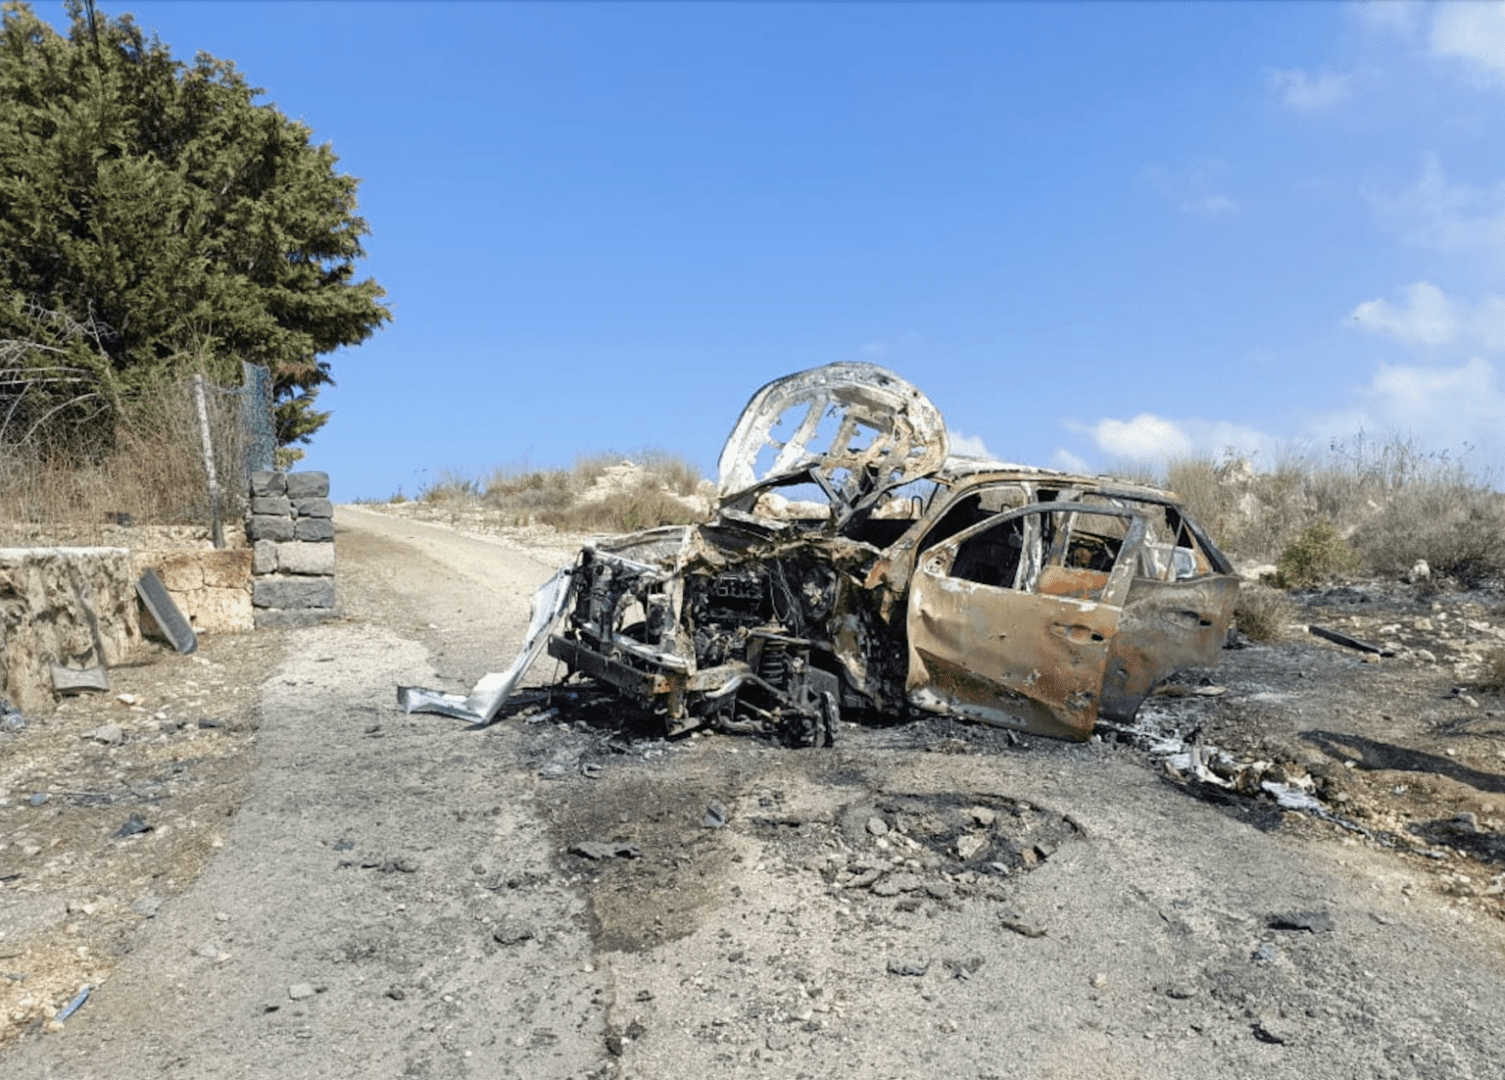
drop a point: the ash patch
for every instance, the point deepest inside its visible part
(660, 894)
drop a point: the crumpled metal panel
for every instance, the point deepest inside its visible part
(1165, 626)
(886, 432)
(1010, 658)
(481, 704)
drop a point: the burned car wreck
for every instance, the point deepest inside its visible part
(854, 564)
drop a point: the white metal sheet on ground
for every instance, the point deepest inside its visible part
(486, 697)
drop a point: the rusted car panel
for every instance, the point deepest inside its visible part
(853, 564)
(1008, 625)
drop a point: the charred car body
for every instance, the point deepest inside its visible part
(854, 564)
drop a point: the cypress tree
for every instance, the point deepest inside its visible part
(153, 216)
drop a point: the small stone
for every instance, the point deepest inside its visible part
(982, 815)
(147, 906)
(876, 826)
(301, 991)
(1314, 922)
(600, 849)
(776, 1041)
(969, 845)
(512, 933)
(907, 965)
(110, 734)
(209, 950)
(133, 825)
(715, 814)
(1181, 991)
(1098, 980)
(127, 699)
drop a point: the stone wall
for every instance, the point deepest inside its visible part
(211, 588)
(291, 528)
(73, 607)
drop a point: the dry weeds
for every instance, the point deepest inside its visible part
(1391, 503)
(602, 492)
(1262, 613)
(146, 469)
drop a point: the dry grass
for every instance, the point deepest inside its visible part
(1262, 613)
(1389, 503)
(582, 497)
(146, 468)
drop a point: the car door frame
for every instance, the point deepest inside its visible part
(1009, 656)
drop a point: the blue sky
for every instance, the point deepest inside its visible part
(1092, 233)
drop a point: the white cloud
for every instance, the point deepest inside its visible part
(1488, 323)
(1308, 93)
(1440, 408)
(1193, 190)
(968, 445)
(1474, 33)
(1147, 437)
(1211, 204)
(1066, 461)
(1446, 216)
(1425, 318)
(1402, 16)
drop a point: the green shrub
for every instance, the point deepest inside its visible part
(1318, 555)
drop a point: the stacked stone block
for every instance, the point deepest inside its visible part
(291, 528)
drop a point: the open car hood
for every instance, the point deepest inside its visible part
(857, 429)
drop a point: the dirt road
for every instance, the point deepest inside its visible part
(563, 896)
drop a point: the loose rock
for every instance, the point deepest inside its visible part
(907, 965)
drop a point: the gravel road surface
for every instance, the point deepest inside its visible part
(567, 895)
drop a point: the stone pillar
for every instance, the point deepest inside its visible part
(291, 528)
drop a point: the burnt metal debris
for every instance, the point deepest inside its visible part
(854, 564)
(1337, 637)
